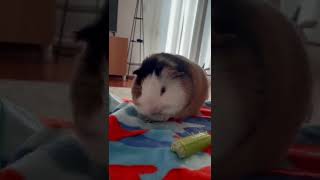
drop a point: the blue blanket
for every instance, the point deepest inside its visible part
(139, 149)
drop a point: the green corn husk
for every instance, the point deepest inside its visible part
(190, 145)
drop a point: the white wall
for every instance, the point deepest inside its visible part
(125, 17)
(310, 11)
(313, 11)
(126, 10)
(156, 18)
(288, 6)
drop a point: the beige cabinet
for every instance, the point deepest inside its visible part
(27, 21)
(118, 50)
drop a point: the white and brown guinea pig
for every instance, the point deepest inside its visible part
(169, 86)
(262, 88)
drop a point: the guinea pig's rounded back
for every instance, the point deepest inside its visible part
(199, 90)
(238, 84)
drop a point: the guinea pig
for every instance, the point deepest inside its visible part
(169, 86)
(262, 88)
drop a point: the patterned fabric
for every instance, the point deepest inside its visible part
(52, 155)
(32, 149)
(303, 158)
(16, 125)
(113, 103)
(137, 150)
(141, 150)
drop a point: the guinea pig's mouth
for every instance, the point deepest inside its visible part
(156, 117)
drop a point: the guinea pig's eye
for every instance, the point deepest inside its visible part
(163, 90)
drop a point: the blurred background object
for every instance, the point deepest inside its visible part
(37, 51)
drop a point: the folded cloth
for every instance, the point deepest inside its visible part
(113, 103)
(16, 125)
(32, 150)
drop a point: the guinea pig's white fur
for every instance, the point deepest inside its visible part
(161, 107)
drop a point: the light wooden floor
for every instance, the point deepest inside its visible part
(115, 81)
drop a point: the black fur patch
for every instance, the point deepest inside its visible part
(154, 64)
